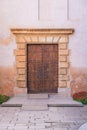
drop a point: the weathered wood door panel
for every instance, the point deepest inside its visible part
(42, 68)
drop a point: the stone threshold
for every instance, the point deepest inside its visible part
(38, 96)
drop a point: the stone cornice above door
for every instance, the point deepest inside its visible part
(42, 35)
(42, 31)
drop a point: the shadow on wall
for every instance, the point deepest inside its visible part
(7, 80)
(79, 79)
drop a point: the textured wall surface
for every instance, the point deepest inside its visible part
(79, 79)
(7, 80)
(42, 14)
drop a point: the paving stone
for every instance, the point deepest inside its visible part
(34, 107)
(32, 127)
(21, 124)
(45, 125)
(44, 129)
(39, 121)
(10, 129)
(2, 124)
(39, 126)
(3, 128)
(20, 128)
(60, 129)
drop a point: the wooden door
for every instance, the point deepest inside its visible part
(42, 69)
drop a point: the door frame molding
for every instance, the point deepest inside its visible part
(44, 36)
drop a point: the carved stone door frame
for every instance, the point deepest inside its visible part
(41, 36)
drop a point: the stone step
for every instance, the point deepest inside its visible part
(11, 105)
(38, 96)
(65, 103)
(34, 107)
(40, 100)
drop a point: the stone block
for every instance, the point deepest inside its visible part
(64, 52)
(63, 77)
(64, 65)
(20, 64)
(63, 46)
(35, 107)
(42, 39)
(21, 77)
(62, 71)
(63, 84)
(21, 71)
(34, 39)
(21, 46)
(21, 58)
(60, 128)
(62, 58)
(20, 39)
(28, 39)
(64, 39)
(43, 126)
(21, 84)
(56, 39)
(49, 39)
(20, 52)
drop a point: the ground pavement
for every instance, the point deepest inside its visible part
(53, 118)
